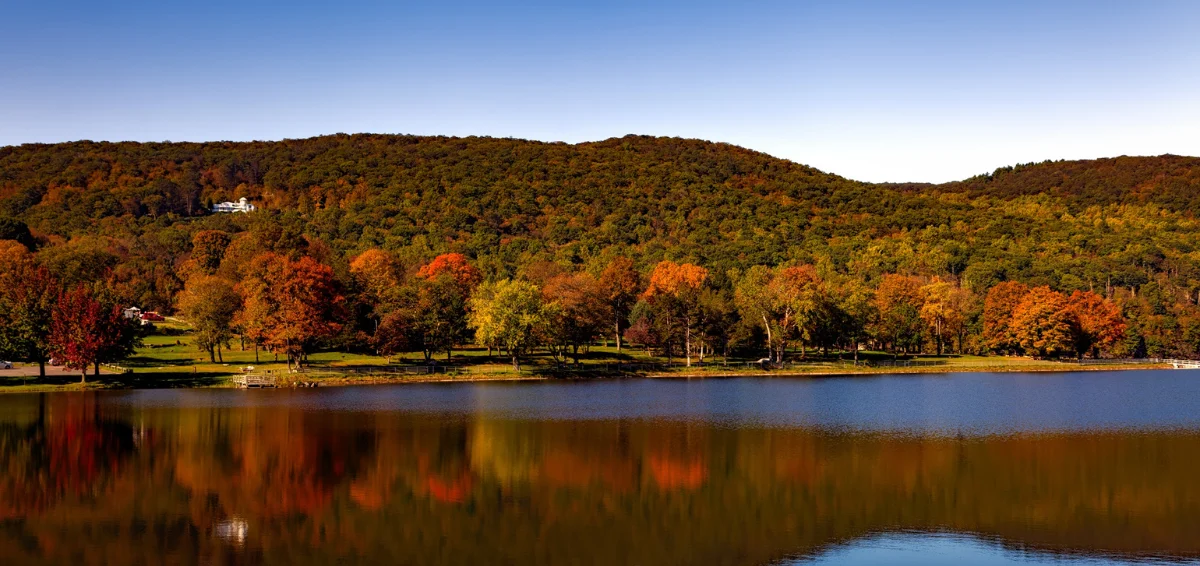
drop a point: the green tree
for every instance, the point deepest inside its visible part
(513, 315)
(211, 305)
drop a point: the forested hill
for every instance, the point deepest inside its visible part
(1170, 181)
(507, 203)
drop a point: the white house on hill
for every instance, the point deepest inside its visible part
(242, 205)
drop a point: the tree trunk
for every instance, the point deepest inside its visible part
(618, 334)
(516, 363)
(770, 342)
(42, 369)
(687, 344)
(220, 357)
(256, 352)
(97, 363)
(212, 356)
(83, 375)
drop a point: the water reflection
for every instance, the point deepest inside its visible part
(97, 478)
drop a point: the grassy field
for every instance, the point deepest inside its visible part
(167, 359)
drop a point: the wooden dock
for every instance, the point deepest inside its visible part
(249, 381)
(1184, 364)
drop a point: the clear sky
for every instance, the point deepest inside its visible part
(877, 91)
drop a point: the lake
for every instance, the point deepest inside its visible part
(1081, 468)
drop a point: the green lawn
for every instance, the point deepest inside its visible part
(167, 358)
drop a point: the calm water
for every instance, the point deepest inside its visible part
(1091, 468)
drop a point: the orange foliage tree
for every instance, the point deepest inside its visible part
(620, 282)
(1100, 323)
(291, 304)
(1044, 324)
(674, 290)
(998, 331)
(899, 300)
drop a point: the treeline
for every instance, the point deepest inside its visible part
(131, 219)
(292, 305)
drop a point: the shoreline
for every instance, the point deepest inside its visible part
(348, 380)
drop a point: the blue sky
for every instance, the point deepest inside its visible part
(877, 91)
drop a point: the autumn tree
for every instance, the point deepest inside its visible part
(789, 302)
(456, 265)
(675, 290)
(210, 304)
(717, 323)
(582, 312)
(437, 311)
(1100, 323)
(394, 334)
(1044, 324)
(512, 315)
(999, 334)
(27, 297)
(86, 332)
(379, 276)
(854, 301)
(254, 317)
(621, 283)
(642, 330)
(899, 300)
(944, 311)
(298, 303)
(208, 249)
(438, 301)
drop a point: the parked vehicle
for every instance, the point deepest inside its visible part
(6, 365)
(152, 317)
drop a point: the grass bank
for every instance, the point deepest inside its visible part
(168, 359)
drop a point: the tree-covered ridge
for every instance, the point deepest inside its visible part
(1168, 181)
(511, 200)
(128, 215)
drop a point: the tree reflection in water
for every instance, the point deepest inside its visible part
(85, 482)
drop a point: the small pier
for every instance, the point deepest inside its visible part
(1184, 364)
(248, 381)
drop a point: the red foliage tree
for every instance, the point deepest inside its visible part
(86, 332)
(465, 275)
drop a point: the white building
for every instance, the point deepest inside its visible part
(242, 205)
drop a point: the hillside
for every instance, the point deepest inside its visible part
(130, 210)
(1169, 181)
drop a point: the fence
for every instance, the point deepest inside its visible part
(1117, 361)
(405, 370)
